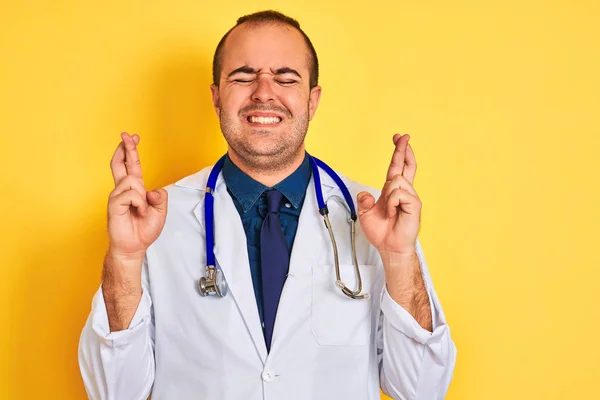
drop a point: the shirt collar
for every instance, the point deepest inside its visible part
(246, 190)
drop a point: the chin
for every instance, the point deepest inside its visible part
(267, 151)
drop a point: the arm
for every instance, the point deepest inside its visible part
(116, 349)
(414, 362)
(417, 355)
(122, 293)
(405, 285)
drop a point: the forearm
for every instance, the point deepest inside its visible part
(122, 290)
(120, 364)
(406, 286)
(415, 362)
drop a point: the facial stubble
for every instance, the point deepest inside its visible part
(279, 155)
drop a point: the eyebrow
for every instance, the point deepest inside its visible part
(287, 70)
(242, 70)
(248, 70)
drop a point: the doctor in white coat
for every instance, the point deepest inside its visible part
(150, 331)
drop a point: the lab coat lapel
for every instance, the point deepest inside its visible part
(309, 241)
(232, 257)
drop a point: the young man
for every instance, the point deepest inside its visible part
(284, 329)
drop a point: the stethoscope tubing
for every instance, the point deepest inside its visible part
(211, 267)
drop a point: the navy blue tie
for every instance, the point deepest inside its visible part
(275, 260)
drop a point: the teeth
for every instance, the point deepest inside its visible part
(265, 120)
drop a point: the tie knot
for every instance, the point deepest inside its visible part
(274, 197)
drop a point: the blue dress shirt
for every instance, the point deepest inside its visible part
(250, 200)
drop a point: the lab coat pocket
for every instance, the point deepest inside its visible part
(336, 319)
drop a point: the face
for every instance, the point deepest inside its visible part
(264, 101)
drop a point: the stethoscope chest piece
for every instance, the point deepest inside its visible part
(213, 283)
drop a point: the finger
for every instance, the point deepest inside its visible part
(130, 182)
(158, 199)
(410, 165)
(365, 202)
(399, 182)
(132, 158)
(397, 164)
(122, 203)
(117, 164)
(400, 199)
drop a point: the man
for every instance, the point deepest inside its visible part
(150, 331)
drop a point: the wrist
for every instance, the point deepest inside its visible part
(398, 258)
(126, 259)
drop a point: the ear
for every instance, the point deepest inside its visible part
(214, 89)
(315, 96)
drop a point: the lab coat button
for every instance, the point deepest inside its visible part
(268, 376)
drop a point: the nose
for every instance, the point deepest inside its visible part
(263, 92)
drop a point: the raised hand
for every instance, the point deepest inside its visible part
(391, 223)
(135, 216)
(135, 219)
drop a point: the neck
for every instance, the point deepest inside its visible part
(267, 173)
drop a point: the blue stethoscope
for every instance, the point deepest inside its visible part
(214, 283)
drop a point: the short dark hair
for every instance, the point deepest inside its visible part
(267, 17)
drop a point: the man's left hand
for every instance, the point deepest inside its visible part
(391, 223)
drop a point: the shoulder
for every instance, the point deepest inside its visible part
(189, 186)
(185, 194)
(356, 187)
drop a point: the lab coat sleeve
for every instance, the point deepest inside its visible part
(414, 363)
(118, 365)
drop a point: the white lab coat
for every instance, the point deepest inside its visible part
(183, 346)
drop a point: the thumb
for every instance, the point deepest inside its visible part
(158, 199)
(365, 202)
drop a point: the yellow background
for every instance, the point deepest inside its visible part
(503, 104)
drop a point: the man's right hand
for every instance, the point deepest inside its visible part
(136, 218)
